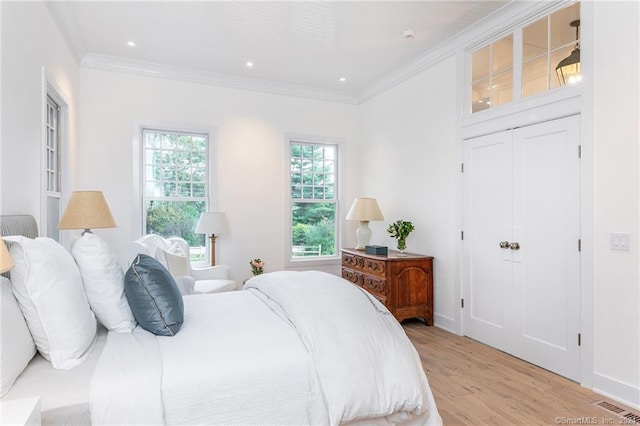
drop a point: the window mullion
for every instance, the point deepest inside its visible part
(517, 65)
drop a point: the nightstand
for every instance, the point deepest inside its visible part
(403, 284)
(23, 411)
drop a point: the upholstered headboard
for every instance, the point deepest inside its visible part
(19, 224)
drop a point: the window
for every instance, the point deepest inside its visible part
(314, 202)
(53, 166)
(175, 185)
(492, 75)
(545, 43)
(539, 47)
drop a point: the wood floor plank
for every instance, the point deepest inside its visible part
(474, 384)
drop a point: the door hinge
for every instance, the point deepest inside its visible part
(579, 245)
(579, 339)
(462, 235)
(462, 303)
(579, 151)
(461, 167)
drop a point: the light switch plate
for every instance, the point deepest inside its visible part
(620, 241)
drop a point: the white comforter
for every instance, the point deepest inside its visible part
(293, 348)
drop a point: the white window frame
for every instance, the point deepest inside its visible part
(60, 151)
(518, 103)
(312, 261)
(139, 212)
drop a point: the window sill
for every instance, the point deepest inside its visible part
(311, 262)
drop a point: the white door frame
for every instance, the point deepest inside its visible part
(546, 108)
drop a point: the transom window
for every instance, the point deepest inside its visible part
(314, 203)
(492, 75)
(541, 47)
(175, 185)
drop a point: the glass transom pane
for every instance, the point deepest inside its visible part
(535, 39)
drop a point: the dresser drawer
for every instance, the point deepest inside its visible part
(352, 261)
(372, 284)
(375, 285)
(374, 267)
(364, 264)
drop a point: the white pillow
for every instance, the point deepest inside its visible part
(103, 281)
(177, 264)
(48, 286)
(160, 254)
(16, 344)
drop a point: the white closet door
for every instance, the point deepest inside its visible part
(522, 189)
(546, 208)
(488, 188)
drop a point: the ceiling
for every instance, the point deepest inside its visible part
(306, 44)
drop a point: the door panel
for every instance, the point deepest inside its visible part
(547, 226)
(522, 186)
(488, 187)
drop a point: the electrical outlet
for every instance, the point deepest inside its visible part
(620, 241)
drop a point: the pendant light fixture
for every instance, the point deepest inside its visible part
(568, 69)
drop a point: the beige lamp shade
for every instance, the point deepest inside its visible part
(6, 262)
(365, 209)
(212, 223)
(86, 210)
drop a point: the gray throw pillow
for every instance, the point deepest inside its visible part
(153, 296)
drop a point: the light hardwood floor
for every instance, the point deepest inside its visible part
(474, 384)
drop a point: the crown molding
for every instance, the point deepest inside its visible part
(59, 13)
(150, 69)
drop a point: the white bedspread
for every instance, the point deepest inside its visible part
(287, 351)
(365, 363)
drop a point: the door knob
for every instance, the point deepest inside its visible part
(504, 244)
(514, 246)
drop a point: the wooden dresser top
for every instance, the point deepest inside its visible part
(392, 256)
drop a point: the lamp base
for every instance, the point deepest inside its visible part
(363, 235)
(213, 249)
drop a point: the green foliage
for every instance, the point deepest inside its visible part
(175, 219)
(400, 229)
(314, 225)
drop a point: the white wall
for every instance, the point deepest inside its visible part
(410, 162)
(31, 41)
(616, 135)
(249, 154)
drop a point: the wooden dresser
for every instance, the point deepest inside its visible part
(403, 284)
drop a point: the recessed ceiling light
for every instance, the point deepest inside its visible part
(249, 64)
(342, 79)
(408, 33)
(131, 43)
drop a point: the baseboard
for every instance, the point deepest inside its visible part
(446, 323)
(614, 389)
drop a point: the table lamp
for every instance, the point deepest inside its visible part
(364, 210)
(86, 210)
(212, 223)
(6, 262)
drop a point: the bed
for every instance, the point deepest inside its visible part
(290, 348)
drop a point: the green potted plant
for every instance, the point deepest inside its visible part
(400, 229)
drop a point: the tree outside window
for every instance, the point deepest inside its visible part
(313, 181)
(175, 185)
